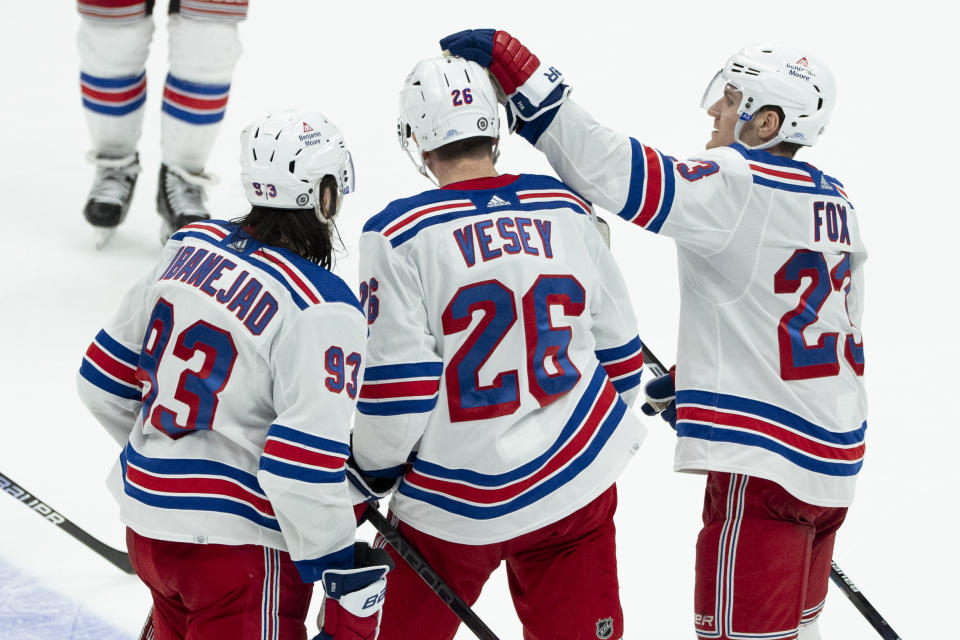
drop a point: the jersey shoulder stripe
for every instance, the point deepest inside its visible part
(309, 284)
(484, 496)
(787, 174)
(727, 418)
(651, 188)
(402, 219)
(195, 485)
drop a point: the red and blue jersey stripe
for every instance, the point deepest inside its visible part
(404, 219)
(483, 496)
(195, 102)
(651, 189)
(397, 389)
(116, 96)
(195, 485)
(553, 198)
(787, 174)
(290, 453)
(623, 364)
(112, 367)
(726, 418)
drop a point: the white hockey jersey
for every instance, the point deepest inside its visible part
(770, 354)
(502, 349)
(229, 376)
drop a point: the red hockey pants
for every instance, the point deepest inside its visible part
(763, 559)
(562, 577)
(215, 591)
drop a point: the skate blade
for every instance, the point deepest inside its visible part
(102, 235)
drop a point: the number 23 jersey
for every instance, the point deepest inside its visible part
(770, 354)
(502, 349)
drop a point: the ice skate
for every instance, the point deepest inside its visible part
(110, 195)
(180, 198)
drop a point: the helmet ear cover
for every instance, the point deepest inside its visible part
(285, 156)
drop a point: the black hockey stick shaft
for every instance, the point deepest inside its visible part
(861, 603)
(413, 558)
(836, 573)
(118, 558)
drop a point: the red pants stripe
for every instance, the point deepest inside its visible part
(763, 560)
(213, 591)
(562, 577)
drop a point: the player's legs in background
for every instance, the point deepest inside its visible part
(113, 41)
(204, 48)
(753, 554)
(827, 523)
(563, 577)
(411, 609)
(244, 592)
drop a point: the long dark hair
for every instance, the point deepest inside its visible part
(299, 230)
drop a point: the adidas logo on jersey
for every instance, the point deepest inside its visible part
(824, 184)
(497, 201)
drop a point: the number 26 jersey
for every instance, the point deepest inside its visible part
(503, 353)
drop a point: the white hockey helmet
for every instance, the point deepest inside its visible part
(786, 77)
(443, 100)
(283, 157)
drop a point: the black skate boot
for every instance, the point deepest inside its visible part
(180, 198)
(110, 195)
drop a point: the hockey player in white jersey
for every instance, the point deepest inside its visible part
(769, 399)
(502, 358)
(229, 376)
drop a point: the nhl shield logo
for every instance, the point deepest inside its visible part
(604, 628)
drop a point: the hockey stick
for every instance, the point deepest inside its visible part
(118, 558)
(837, 575)
(422, 569)
(861, 603)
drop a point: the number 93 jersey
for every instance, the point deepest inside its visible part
(503, 353)
(230, 375)
(770, 358)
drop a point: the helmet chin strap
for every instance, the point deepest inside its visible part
(420, 164)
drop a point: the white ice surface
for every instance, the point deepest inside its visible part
(639, 67)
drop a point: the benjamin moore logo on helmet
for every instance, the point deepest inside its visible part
(801, 69)
(307, 128)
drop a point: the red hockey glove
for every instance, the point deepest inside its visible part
(532, 88)
(509, 61)
(351, 610)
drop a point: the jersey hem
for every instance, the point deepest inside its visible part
(703, 467)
